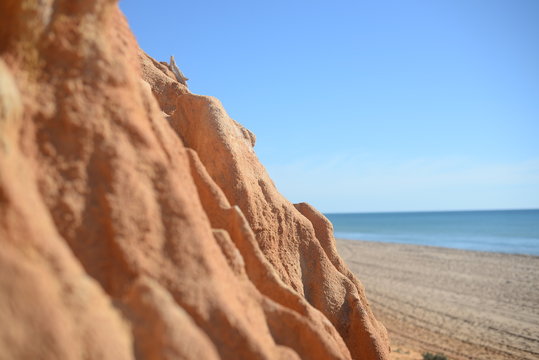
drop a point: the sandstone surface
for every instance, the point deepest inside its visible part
(136, 220)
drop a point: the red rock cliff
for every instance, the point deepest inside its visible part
(136, 220)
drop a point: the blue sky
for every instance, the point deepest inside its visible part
(363, 106)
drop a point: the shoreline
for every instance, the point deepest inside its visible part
(465, 304)
(438, 247)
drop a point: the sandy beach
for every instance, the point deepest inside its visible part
(463, 304)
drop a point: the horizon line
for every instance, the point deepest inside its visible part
(424, 211)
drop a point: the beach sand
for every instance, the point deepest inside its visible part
(463, 304)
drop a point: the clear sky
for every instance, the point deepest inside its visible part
(363, 106)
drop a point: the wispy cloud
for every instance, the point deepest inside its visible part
(364, 183)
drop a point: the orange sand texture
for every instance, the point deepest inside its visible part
(136, 220)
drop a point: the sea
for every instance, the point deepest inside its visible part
(506, 231)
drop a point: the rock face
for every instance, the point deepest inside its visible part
(136, 220)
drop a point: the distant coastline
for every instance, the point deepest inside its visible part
(426, 211)
(504, 231)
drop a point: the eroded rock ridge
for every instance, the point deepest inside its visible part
(136, 221)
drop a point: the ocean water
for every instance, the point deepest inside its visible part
(507, 231)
